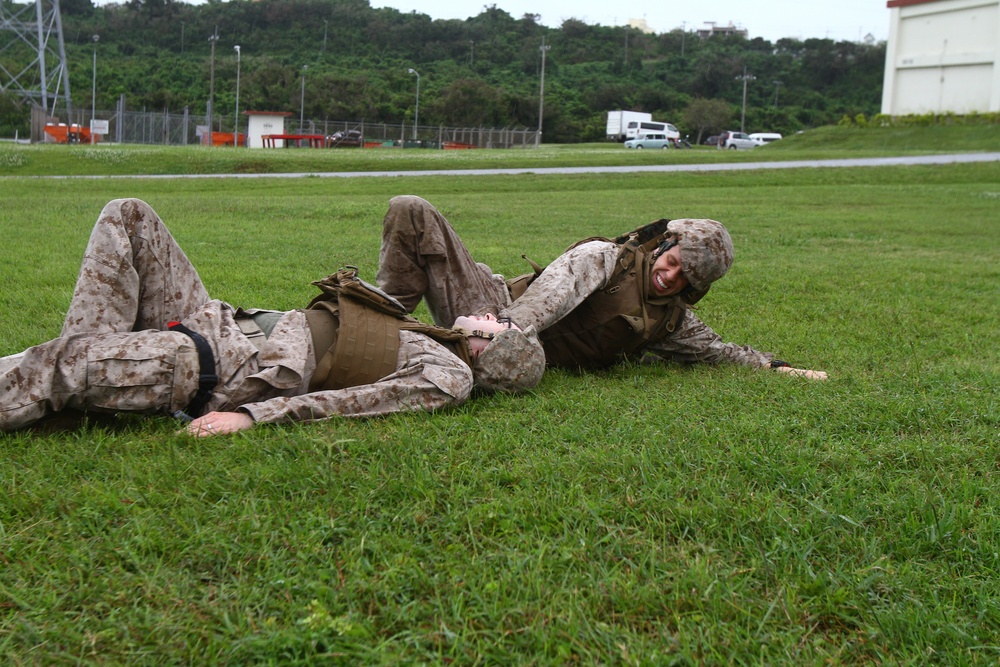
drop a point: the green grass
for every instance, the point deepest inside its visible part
(822, 143)
(643, 515)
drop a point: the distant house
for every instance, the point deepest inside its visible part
(711, 29)
(942, 56)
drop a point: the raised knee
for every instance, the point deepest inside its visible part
(127, 208)
(405, 212)
(407, 200)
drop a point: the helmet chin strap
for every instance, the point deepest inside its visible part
(663, 247)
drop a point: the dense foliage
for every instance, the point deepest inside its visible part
(353, 61)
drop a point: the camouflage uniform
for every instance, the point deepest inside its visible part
(422, 256)
(115, 354)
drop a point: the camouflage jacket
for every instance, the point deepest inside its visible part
(580, 272)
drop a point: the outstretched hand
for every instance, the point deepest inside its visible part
(219, 423)
(802, 372)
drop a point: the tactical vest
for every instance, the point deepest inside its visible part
(619, 320)
(355, 329)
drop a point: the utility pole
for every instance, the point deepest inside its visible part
(541, 96)
(37, 26)
(302, 103)
(626, 46)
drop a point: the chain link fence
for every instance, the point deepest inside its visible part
(183, 129)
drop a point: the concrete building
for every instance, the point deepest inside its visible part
(942, 56)
(262, 123)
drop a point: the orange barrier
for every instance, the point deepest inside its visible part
(224, 139)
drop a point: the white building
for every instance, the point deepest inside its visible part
(942, 56)
(263, 123)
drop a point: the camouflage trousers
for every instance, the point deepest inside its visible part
(423, 257)
(115, 355)
(112, 353)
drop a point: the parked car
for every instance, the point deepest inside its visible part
(712, 140)
(655, 140)
(761, 138)
(735, 140)
(345, 139)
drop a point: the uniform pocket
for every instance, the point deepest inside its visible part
(147, 372)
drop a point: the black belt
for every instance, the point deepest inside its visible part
(207, 379)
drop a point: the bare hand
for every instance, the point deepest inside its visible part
(219, 423)
(802, 372)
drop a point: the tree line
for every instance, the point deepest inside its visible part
(344, 60)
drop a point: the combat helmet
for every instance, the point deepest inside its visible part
(513, 362)
(706, 253)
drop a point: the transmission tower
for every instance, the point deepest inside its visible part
(33, 64)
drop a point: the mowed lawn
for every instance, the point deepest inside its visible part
(639, 516)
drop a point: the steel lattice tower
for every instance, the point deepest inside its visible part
(33, 54)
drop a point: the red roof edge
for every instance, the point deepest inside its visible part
(906, 3)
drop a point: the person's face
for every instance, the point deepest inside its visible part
(487, 324)
(667, 277)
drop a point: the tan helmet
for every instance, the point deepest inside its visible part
(513, 362)
(706, 252)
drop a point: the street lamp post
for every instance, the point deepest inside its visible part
(211, 86)
(93, 91)
(236, 117)
(416, 111)
(302, 103)
(541, 95)
(777, 85)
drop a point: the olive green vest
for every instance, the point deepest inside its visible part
(618, 321)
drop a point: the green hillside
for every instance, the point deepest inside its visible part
(344, 60)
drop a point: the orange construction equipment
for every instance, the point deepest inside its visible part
(70, 134)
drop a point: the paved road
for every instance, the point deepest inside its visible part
(731, 166)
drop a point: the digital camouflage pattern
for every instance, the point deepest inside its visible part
(513, 362)
(114, 355)
(423, 257)
(706, 250)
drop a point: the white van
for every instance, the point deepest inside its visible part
(761, 138)
(636, 128)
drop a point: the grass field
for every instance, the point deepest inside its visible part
(822, 143)
(642, 515)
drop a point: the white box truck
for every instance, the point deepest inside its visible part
(618, 122)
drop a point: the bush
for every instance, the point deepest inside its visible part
(921, 120)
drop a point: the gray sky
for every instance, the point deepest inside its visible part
(848, 20)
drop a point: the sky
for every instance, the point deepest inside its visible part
(841, 20)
